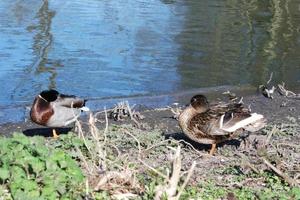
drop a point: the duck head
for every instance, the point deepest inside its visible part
(48, 95)
(199, 103)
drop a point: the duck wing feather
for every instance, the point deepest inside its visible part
(220, 117)
(69, 101)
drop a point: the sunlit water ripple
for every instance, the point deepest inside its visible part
(106, 49)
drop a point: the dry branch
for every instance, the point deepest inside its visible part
(172, 183)
(231, 96)
(245, 161)
(176, 111)
(285, 92)
(122, 111)
(121, 181)
(288, 179)
(270, 134)
(270, 79)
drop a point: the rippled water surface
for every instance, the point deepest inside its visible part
(109, 48)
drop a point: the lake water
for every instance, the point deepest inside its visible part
(123, 48)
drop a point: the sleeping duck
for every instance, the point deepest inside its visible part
(52, 109)
(212, 124)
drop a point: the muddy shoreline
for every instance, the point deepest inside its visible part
(278, 110)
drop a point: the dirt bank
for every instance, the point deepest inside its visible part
(277, 110)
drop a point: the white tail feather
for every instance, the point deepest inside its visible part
(84, 108)
(254, 117)
(221, 121)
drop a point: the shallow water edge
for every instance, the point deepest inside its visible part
(20, 113)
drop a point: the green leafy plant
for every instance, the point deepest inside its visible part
(33, 170)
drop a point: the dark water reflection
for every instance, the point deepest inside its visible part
(135, 47)
(239, 42)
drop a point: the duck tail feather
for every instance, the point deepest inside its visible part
(248, 122)
(259, 124)
(85, 109)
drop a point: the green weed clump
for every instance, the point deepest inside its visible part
(31, 169)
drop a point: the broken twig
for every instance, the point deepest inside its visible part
(288, 179)
(170, 188)
(285, 92)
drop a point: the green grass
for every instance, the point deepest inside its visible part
(43, 168)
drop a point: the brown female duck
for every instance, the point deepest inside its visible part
(52, 109)
(212, 124)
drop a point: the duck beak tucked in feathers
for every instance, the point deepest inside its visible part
(52, 109)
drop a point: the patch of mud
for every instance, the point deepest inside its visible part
(277, 110)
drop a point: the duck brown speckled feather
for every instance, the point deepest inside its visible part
(209, 124)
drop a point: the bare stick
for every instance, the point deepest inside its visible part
(138, 142)
(241, 101)
(83, 137)
(270, 79)
(154, 170)
(131, 114)
(171, 187)
(111, 175)
(247, 162)
(193, 148)
(288, 144)
(156, 145)
(191, 170)
(87, 189)
(103, 111)
(274, 129)
(283, 91)
(106, 125)
(129, 110)
(139, 155)
(174, 180)
(124, 196)
(87, 166)
(288, 179)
